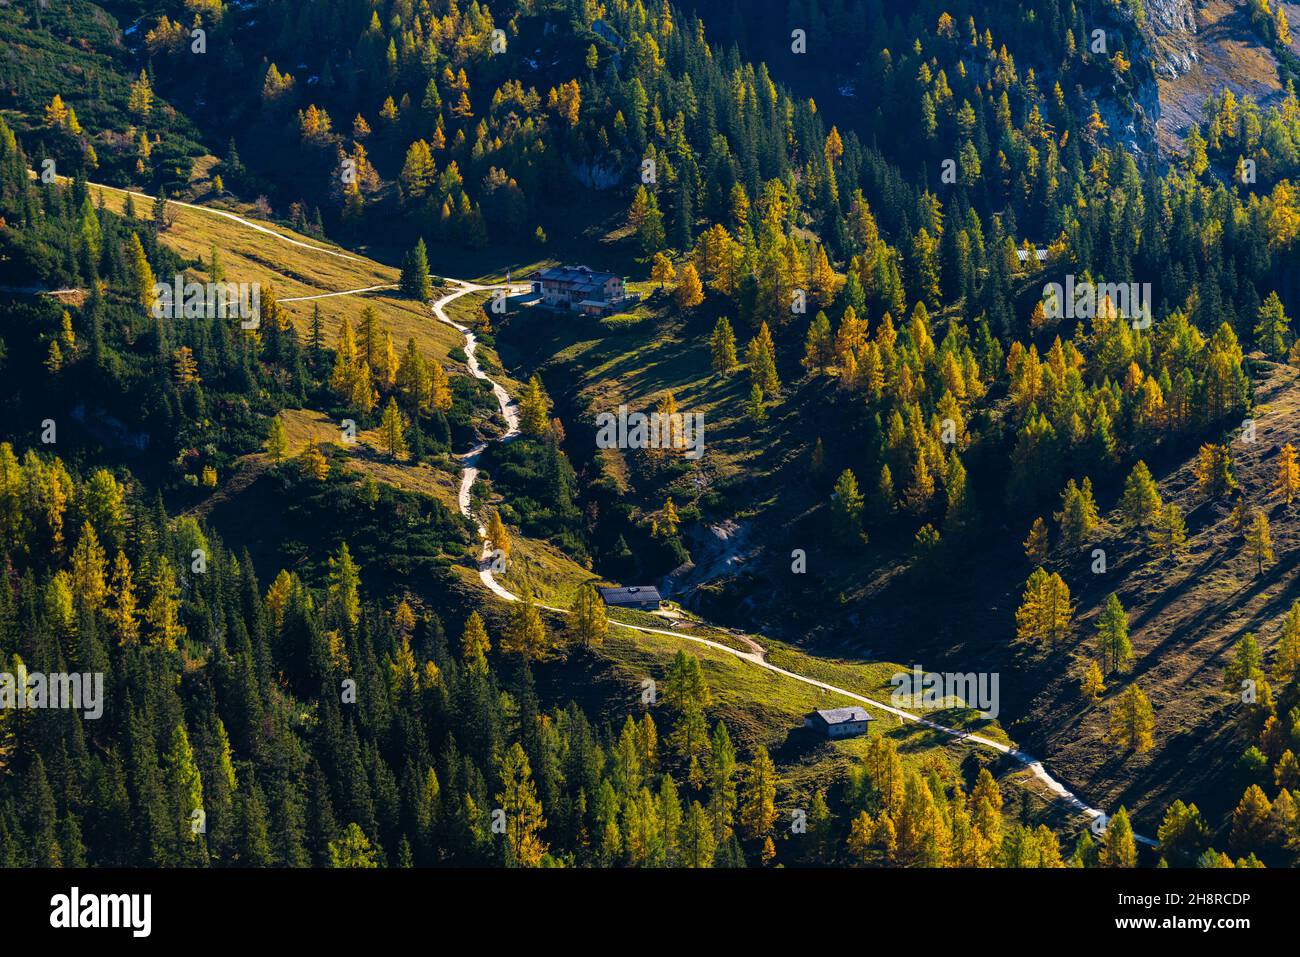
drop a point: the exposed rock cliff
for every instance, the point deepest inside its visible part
(1197, 49)
(1130, 106)
(1170, 29)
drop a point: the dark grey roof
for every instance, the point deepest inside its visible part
(842, 715)
(584, 275)
(631, 593)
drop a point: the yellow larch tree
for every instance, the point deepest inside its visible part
(440, 397)
(314, 463)
(124, 614)
(162, 614)
(89, 568)
(497, 535)
(689, 292)
(474, 643)
(1288, 475)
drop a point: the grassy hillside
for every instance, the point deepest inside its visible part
(764, 709)
(294, 271)
(1185, 618)
(363, 458)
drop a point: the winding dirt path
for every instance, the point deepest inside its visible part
(341, 292)
(250, 223)
(510, 412)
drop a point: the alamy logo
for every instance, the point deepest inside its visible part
(929, 690)
(211, 300)
(73, 910)
(1086, 300)
(673, 431)
(33, 689)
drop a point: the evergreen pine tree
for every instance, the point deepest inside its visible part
(723, 347)
(393, 430)
(590, 625)
(1112, 636)
(415, 281)
(846, 507)
(1140, 504)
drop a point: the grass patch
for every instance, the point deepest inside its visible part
(248, 255)
(552, 575)
(366, 457)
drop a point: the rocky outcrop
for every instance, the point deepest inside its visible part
(718, 552)
(1170, 29)
(1164, 42)
(1197, 50)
